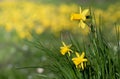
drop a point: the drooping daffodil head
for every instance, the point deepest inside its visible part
(79, 60)
(81, 17)
(65, 49)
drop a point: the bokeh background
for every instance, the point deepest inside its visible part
(20, 19)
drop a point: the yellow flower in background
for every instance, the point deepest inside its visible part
(79, 60)
(80, 17)
(24, 34)
(65, 49)
(30, 16)
(39, 30)
(8, 27)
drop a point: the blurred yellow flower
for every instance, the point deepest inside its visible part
(8, 27)
(81, 17)
(65, 49)
(39, 30)
(79, 60)
(17, 17)
(24, 34)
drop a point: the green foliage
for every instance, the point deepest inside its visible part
(103, 59)
(19, 60)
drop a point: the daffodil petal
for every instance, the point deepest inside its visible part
(84, 60)
(82, 66)
(69, 53)
(83, 54)
(82, 24)
(63, 43)
(85, 12)
(77, 54)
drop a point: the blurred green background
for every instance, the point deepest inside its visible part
(19, 18)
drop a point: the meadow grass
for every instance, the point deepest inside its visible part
(102, 54)
(103, 59)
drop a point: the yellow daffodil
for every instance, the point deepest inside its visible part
(81, 17)
(79, 60)
(65, 49)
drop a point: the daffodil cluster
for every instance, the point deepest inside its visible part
(78, 60)
(24, 17)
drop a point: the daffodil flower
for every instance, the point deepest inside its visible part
(79, 60)
(80, 17)
(65, 49)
